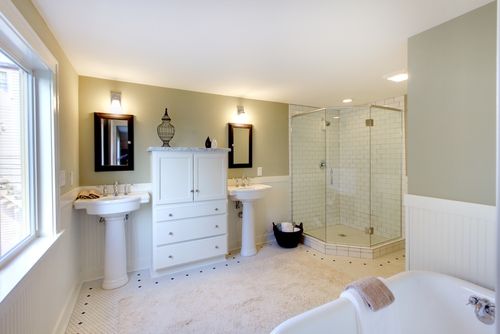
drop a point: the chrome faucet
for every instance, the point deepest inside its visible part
(246, 182)
(483, 308)
(115, 188)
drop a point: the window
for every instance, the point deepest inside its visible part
(28, 123)
(16, 172)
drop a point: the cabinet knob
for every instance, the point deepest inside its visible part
(216, 247)
(170, 257)
(170, 215)
(216, 226)
(192, 190)
(170, 233)
(216, 209)
(197, 190)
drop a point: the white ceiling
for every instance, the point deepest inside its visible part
(304, 52)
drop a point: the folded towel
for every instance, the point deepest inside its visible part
(286, 227)
(373, 292)
(92, 194)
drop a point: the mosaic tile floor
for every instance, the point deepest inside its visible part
(95, 311)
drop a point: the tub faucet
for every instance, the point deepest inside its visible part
(483, 308)
(115, 188)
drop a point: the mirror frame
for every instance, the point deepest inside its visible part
(231, 127)
(97, 142)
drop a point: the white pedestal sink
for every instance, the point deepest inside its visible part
(114, 210)
(247, 195)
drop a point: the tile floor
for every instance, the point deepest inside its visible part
(95, 310)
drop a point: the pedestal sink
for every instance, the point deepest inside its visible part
(247, 195)
(113, 210)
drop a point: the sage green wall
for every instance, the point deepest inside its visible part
(194, 115)
(68, 94)
(451, 109)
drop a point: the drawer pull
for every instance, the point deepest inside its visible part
(170, 215)
(216, 226)
(216, 209)
(216, 247)
(170, 257)
(170, 233)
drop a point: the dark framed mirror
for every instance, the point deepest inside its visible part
(240, 143)
(113, 142)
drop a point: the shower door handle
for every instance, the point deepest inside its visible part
(322, 164)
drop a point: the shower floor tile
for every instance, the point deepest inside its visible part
(345, 235)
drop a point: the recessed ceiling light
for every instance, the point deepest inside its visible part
(346, 100)
(398, 77)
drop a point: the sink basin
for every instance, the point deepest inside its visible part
(248, 193)
(113, 211)
(112, 205)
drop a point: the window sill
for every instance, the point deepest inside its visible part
(14, 271)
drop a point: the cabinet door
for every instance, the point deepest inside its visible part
(210, 176)
(175, 178)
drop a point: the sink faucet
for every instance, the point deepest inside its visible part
(483, 308)
(115, 188)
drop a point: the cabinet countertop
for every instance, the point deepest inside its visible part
(187, 149)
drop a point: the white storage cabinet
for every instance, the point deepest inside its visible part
(189, 207)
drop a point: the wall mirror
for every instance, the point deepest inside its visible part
(240, 143)
(114, 142)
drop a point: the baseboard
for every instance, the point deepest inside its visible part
(65, 316)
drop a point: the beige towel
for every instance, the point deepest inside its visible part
(373, 292)
(88, 195)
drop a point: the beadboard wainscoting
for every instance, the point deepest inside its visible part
(275, 206)
(455, 238)
(43, 300)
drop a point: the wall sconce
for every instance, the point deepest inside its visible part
(116, 102)
(241, 110)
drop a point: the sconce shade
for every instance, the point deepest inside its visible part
(241, 110)
(116, 102)
(166, 130)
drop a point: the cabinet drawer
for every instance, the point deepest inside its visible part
(174, 212)
(190, 251)
(188, 229)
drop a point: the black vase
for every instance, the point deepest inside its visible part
(208, 143)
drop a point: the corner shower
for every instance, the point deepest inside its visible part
(347, 168)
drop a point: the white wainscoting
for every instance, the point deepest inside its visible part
(43, 301)
(455, 238)
(274, 207)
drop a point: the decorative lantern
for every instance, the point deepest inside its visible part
(165, 130)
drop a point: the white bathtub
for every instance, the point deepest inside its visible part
(425, 303)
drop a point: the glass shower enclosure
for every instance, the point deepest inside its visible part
(346, 167)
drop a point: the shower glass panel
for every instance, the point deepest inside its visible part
(309, 172)
(386, 173)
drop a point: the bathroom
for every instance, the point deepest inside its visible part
(445, 174)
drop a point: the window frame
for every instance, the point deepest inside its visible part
(20, 43)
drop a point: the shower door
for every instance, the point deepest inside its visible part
(308, 164)
(348, 177)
